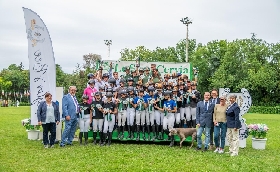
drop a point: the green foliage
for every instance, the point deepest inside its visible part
(20, 154)
(243, 63)
(265, 109)
(14, 79)
(27, 124)
(169, 54)
(24, 104)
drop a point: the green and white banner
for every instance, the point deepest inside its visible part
(163, 67)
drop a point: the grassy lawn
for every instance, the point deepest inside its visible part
(19, 154)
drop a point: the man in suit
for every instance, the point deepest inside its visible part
(70, 111)
(204, 120)
(214, 100)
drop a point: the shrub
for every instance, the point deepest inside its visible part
(265, 109)
(24, 104)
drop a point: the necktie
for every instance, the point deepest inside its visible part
(205, 106)
(214, 101)
(76, 103)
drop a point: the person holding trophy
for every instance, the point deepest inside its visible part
(188, 97)
(178, 100)
(169, 108)
(146, 76)
(150, 112)
(139, 105)
(195, 98)
(158, 113)
(130, 114)
(122, 109)
(182, 95)
(97, 117)
(109, 111)
(85, 118)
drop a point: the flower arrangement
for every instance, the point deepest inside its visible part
(258, 131)
(27, 124)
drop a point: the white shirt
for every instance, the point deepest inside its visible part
(76, 105)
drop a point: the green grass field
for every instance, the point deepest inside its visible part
(17, 153)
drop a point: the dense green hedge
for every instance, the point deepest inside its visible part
(24, 104)
(253, 109)
(265, 109)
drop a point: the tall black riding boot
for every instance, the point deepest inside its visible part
(172, 141)
(109, 138)
(138, 132)
(157, 131)
(194, 123)
(129, 132)
(143, 130)
(148, 131)
(119, 132)
(167, 133)
(122, 135)
(86, 137)
(154, 132)
(100, 138)
(189, 124)
(94, 134)
(81, 137)
(161, 133)
(103, 139)
(132, 132)
(182, 123)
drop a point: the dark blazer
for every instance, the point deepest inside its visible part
(204, 118)
(42, 111)
(194, 101)
(232, 115)
(217, 101)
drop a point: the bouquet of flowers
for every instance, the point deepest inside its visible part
(258, 131)
(27, 124)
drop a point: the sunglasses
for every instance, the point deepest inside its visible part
(222, 99)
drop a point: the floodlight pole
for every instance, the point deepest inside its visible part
(186, 21)
(108, 43)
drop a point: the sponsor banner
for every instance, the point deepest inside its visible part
(41, 61)
(163, 67)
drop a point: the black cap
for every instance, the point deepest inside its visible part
(90, 75)
(91, 81)
(130, 79)
(167, 93)
(109, 94)
(112, 81)
(98, 94)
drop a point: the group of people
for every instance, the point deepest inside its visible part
(143, 101)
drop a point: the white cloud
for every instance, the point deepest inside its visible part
(80, 27)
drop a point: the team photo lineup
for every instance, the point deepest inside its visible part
(148, 106)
